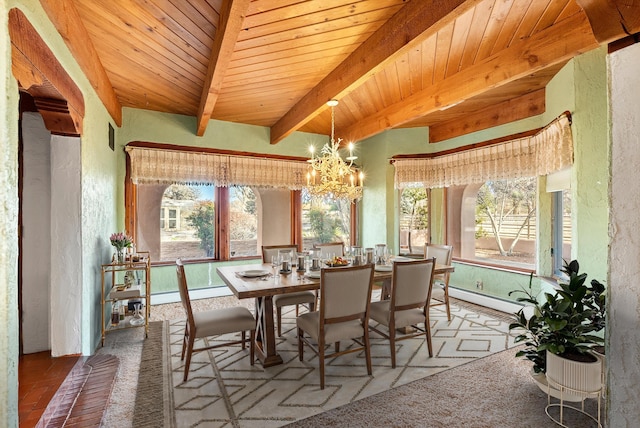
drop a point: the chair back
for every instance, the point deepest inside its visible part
(442, 253)
(272, 250)
(411, 284)
(335, 248)
(346, 292)
(184, 291)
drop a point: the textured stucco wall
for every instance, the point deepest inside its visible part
(8, 230)
(623, 328)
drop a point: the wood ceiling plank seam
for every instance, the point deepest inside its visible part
(282, 72)
(495, 24)
(202, 15)
(258, 6)
(349, 43)
(459, 37)
(316, 56)
(443, 48)
(481, 16)
(165, 106)
(550, 15)
(151, 69)
(372, 92)
(356, 34)
(404, 81)
(428, 50)
(548, 47)
(333, 11)
(144, 23)
(186, 17)
(376, 19)
(150, 91)
(530, 20)
(512, 20)
(107, 23)
(347, 112)
(415, 68)
(393, 84)
(380, 80)
(570, 9)
(272, 89)
(275, 41)
(290, 11)
(310, 74)
(520, 7)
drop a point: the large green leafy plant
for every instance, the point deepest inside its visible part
(565, 322)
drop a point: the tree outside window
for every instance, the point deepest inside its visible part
(414, 220)
(325, 220)
(505, 221)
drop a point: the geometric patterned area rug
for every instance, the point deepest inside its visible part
(224, 390)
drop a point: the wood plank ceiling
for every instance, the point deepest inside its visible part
(453, 65)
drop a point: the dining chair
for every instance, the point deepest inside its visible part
(288, 299)
(411, 286)
(212, 322)
(343, 314)
(335, 248)
(442, 254)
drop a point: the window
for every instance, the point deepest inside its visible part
(243, 222)
(561, 229)
(325, 220)
(188, 229)
(414, 220)
(505, 228)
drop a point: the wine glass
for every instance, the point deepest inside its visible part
(138, 318)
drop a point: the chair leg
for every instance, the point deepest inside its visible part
(279, 316)
(184, 340)
(300, 344)
(252, 346)
(337, 347)
(392, 346)
(244, 339)
(446, 300)
(297, 309)
(367, 350)
(189, 352)
(321, 362)
(427, 331)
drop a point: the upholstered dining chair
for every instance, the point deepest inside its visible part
(343, 314)
(411, 286)
(212, 322)
(288, 299)
(442, 254)
(335, 248)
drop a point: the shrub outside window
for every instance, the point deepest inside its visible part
(325, 220)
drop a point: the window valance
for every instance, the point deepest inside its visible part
(151, 165)
(549, 150)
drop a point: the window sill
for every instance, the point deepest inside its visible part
(494, 266)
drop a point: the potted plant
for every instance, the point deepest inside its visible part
(562, 324)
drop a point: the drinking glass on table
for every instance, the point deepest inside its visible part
(275, 262)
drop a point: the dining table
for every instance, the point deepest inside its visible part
(263, 282)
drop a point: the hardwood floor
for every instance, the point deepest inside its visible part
(65, 391)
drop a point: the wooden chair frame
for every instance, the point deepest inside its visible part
(446, 275)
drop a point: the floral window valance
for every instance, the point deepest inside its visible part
(151, 165)
(547, 151)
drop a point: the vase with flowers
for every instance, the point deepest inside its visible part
(120, 240)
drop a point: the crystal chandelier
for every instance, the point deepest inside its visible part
(331, 176)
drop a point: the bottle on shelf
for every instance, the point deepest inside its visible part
(115, 313)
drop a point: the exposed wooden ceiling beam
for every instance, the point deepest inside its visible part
(531, 104)
(66, 19)
(553, 45)
(612, 19)
(409, 26)
(39, 73)
(232, 16)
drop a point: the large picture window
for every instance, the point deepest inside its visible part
(505, 229)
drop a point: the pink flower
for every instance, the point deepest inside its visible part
(120, 240)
